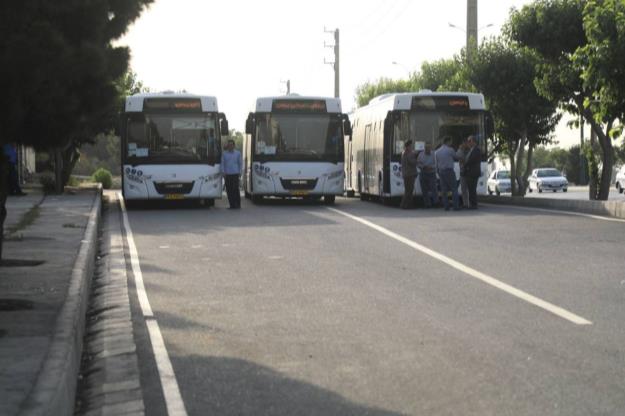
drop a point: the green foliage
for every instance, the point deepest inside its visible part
(104, 177)
(46, 179)
(104, 153)
(505, 74)
(603, 60)
(441, 75)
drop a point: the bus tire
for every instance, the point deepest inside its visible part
(329, 199)
(350, 194)
(210, 202)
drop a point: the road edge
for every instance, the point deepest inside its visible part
(55, 388)
(614, 209)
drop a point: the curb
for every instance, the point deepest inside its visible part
(614, 209)
(54, 391)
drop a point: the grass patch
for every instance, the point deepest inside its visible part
(27, 219)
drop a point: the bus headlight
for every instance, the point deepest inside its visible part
(335, 175)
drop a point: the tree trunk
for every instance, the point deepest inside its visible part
(529, 166)
(511, 157)
(607, 150)
(58, 171)
(600, 186)
(4, 193)
(518, 176)
(70, 158)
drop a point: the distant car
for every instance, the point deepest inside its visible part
(547, 179)
(620, 180)
(499, 182)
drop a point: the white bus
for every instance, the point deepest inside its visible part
(293, 147)
(171, 147)
(373, 153)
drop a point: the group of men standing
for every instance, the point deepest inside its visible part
(427, 163)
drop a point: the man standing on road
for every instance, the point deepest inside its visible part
(472, 170)
(427, 177)
(461, 154)
(445, 158)
(10, 154)
(409, 173)
(231, 168)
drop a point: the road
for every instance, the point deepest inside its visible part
(289, 308)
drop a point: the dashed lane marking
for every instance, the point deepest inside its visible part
(550, 307)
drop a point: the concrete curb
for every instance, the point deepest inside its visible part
(55, 389)
(615, 209)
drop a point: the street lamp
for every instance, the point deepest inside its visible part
(403, 66)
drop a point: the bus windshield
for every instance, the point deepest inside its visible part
(431, 126)
(171, 138)
(299, 136)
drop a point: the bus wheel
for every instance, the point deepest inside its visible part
(350, 194)
(209, 202)
(329, 199)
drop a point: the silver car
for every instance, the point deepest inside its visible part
(547, 179)
(499, 182)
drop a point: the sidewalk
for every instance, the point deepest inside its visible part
(42, 307)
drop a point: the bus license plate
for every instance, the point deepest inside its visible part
(174, 196)
(299, 193)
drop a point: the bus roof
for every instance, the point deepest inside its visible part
(404, 101)
(134, 103)
(265, 104)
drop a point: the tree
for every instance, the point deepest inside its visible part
(563, 34)
(58, 81)
(441, 75)
(505, 73)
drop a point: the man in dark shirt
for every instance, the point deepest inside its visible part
(409, 173)
(473, 170)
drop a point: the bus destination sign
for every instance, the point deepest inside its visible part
(175, 104)
(308, 106)
(440, 103)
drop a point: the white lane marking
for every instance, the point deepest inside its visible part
(163, 247)
(197, 246)
(171, 390)
(275, 257)
(556, 211)
(556, 310)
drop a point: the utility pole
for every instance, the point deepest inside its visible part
(288, 86)
(335, 64)
(471, 28)
(582, 159)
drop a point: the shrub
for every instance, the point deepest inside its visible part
(47, 182)
(104, 177)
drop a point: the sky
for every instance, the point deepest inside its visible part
(238, 50)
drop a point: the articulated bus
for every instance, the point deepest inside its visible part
(171, 147)
(373, 155)
(293, 147)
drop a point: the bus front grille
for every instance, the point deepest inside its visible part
(165, 188)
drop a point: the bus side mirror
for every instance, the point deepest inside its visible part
(223, 125)
(490, 124)
(347, 126)
(249, 124)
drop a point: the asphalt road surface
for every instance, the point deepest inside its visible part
(288, 308)
(575, 192)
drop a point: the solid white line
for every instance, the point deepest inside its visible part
(556, 310)
(171, 390)
(556, 211)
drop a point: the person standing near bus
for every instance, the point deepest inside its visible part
(409, 173)
(445, 158)
(427, 177)
(473, 170)
(231, 168)
(461, 154)
(10, 154)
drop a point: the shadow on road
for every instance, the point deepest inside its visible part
(228, 386)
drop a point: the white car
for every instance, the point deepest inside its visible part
(620, 180)
(499, 182)
(547, 179)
